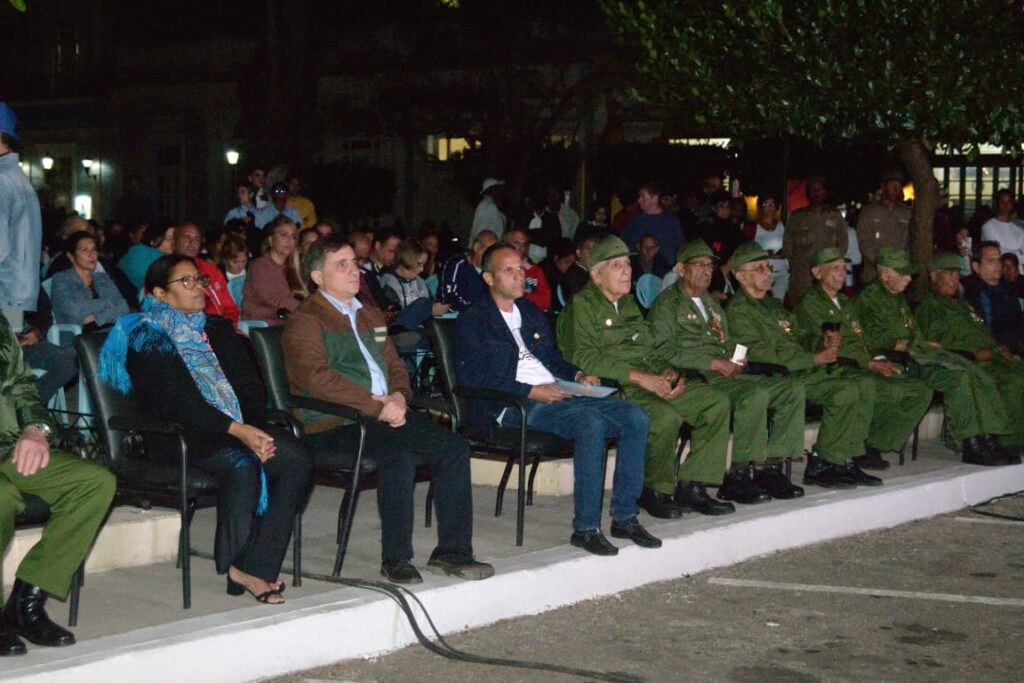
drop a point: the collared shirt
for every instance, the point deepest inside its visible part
(378, 381)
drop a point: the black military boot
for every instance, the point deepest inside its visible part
(10, 644)
(872, 460)
(820, 472)
(24, 615)
(981, 450)
(773, 480)
(739, 486)
(859, 476)
(691, 496)
(659, 505)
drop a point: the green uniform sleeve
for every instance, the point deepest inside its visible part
(579, 338)
(19, 389)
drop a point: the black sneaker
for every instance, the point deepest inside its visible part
(822, 473)
(692, 496)
(462, 566)
(593, 542)
(738, 486)
(659, 505)
(635, 532)
(772, 479)
(400, 571)
(859, 476)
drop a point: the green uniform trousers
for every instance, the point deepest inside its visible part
(1008, 376)
(846, 411)
(970, 399)
(750, 398)
(79, 494)
(707, 412)
(899, 404)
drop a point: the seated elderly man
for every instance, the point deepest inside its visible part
(337, 350)
(603, 332)
(950, 321)
(78, 493)
(504, 343)
(900, 401)
(974, 413)
(691, 331)
(758, 321)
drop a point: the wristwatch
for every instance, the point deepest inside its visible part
(44, 428)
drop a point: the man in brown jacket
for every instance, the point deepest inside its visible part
(336, 350)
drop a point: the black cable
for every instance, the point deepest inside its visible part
(1012, 518)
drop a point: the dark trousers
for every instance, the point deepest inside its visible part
(397, 452)
(60, 364)
(252, 544)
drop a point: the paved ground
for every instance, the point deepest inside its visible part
(701, 628)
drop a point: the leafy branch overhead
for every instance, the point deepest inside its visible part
(940, 72)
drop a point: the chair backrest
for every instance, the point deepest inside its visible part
(247, 326)
(107, 402)
(47, 286)
(648, 287)
(266, 342)
(235, 287)
(432, 283)
(442, 336)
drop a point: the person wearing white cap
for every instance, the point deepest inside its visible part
(488, 216)
(21, 229)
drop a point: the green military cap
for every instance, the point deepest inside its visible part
(607, 248)
(692, 249)
(891, 257)
(748, 252)
(826, 255)
(946, 260)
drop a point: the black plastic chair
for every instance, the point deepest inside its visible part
(143, 481)
(36, 514)
(513, 446)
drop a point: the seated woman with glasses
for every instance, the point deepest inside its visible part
(275, 285)
(81, 295)
(194, 370)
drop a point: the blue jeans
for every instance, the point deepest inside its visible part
(590, 422)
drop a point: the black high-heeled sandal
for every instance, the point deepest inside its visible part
(235, 588)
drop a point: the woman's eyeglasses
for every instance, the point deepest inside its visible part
(191, 281)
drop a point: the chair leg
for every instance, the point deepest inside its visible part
(346, 499)
(430, 505)
(521, 501)
(917, 437)
(533, 476)
(788, 465)
(502, 484)
(76, 586)
(345, 531)
(297, 551)
(185, 555)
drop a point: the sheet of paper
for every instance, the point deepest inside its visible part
(578, 389)
(739, 354)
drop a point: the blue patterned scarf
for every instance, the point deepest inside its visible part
(163, 328)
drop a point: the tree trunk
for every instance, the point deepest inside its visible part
(926, 200)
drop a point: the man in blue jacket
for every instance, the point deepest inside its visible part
(504, 343)
(461, 285)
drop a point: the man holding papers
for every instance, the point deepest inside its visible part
(504, 343)
(604, 333)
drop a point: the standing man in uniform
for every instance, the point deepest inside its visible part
(900, 401)
(811, 228)
(603, 332)
(952, 322)
(691, 331)
(885, 223)
(759, 321)
(974, 413)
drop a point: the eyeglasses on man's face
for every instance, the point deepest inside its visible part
(763, 268)
(192, 281)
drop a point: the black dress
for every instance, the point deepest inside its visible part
(166, 390)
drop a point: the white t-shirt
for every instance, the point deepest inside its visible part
(1009, 235)
(529, 370)
(700, 307)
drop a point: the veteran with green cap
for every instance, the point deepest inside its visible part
(603, 332)
(899, 400)
(761, 323)
(691, 331)
(973, 420)
(950, 321)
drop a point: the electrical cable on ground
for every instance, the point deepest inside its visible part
(975, 508)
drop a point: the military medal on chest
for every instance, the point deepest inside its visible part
(908, 322)
(855, 326)
(786, 327)
(716, 326)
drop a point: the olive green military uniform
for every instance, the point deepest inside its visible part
(899, 402)
(879, 226)
(806, 232)
(970, 397)
(78, 492)
(609, 340)
(683, 338)
(954, 324)
(764, 326)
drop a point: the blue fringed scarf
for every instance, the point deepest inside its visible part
(166, 330)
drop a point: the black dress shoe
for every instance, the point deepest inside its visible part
(822, 473)
(10, 645)
(859, 476)
(772, 480)
(400, 571)
(659, 505)
(693, 497)
(462, 566)
(593, 542)
(1013, 454)
(739, 486)
(635, 532)
(982, 450)
(872, 460)
(25, 615)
